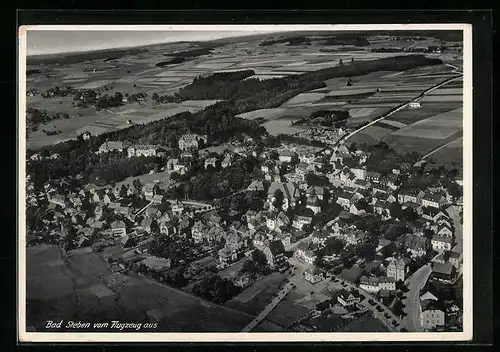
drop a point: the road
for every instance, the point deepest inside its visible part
(412, 302)
(347, 136)
(457, 224)
(379, 315)
(281, 294)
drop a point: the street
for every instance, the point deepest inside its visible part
(281, 294)
(412, 302)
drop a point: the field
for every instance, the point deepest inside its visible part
(135, 71)
(76, 292)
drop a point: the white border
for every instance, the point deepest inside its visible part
(25, 336)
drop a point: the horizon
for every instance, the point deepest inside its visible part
(40, 42)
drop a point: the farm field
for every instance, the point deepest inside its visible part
(76, 293)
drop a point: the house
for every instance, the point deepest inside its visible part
(234, 240)
(373, 177)
(345, 199)
(381, 207)
(299, 221)
(145, 150)
(226, 162)
(157, 199)
(433, 200)
(369, 284)
(409, 196)
(300, 250)
(191, 141)
(309, 257)
(387, 283)
(353, 236)
(455, 259)
(361, 184)
(86, 135)
(149, 191)
(360, 173)
(441, 257)
(98, 211)
(110, 146)
(314, 204)
(428, 213)
(146, 225)
(416, 245)
(348, 298)
(440, 243)
(168, 229)
(210, 162)
(290, 194)
(354, 210)
(197, 231)
(313, 274)
(443, 272)
(397, 269)
(267, 167)
(444, 231)
(431, 314)
(285, 238)
(215, 234)
(227, 255)
(275, 254)
(285, 156)
(177, 208)
(152, 212)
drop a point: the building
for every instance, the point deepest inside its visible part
(309, 257)
(290, 195)
(360, 173)
(118, 228)
(414, 105)
(227, 256)
(313, 275)
(441, 243)
(210, 162)
(314, 204)
(432, 314)
(369, 284)
(345, 199)
(191, 141)
(145, 150)
(410, 196)
(397, 269)
(416, 245)
(444, 230)
(197, 231)
(300, 221)
(275, 254)
(110, 146)
(348, 298)
(443, 272)
(455, 259)
(285, 156)
(86, 135)
(433, 200)
(256, 186)
(387, 283)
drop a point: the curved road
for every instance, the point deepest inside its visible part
(412, 302)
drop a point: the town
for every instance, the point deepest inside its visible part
(357, 231)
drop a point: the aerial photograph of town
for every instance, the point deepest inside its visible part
(287, 181)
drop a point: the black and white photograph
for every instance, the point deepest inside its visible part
(245, 183)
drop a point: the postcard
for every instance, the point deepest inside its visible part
(231, 183)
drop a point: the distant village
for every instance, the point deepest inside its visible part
(323, 209)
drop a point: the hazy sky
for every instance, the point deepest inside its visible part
(51, 42)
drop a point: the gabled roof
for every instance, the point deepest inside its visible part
(440, 268)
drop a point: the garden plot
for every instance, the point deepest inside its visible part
(214, 65)
(378, 132)
(348, 91)
(200, 104)
(282, 126)
(453, 152)
(100, 291)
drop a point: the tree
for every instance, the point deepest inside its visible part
(341, 62)
(123, 191)
(70, 239)
(259, 257)
(278, 199)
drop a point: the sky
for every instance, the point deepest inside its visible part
(41, 42)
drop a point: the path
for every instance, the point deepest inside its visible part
(412, 302)
(347, 136)
(281, 294)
